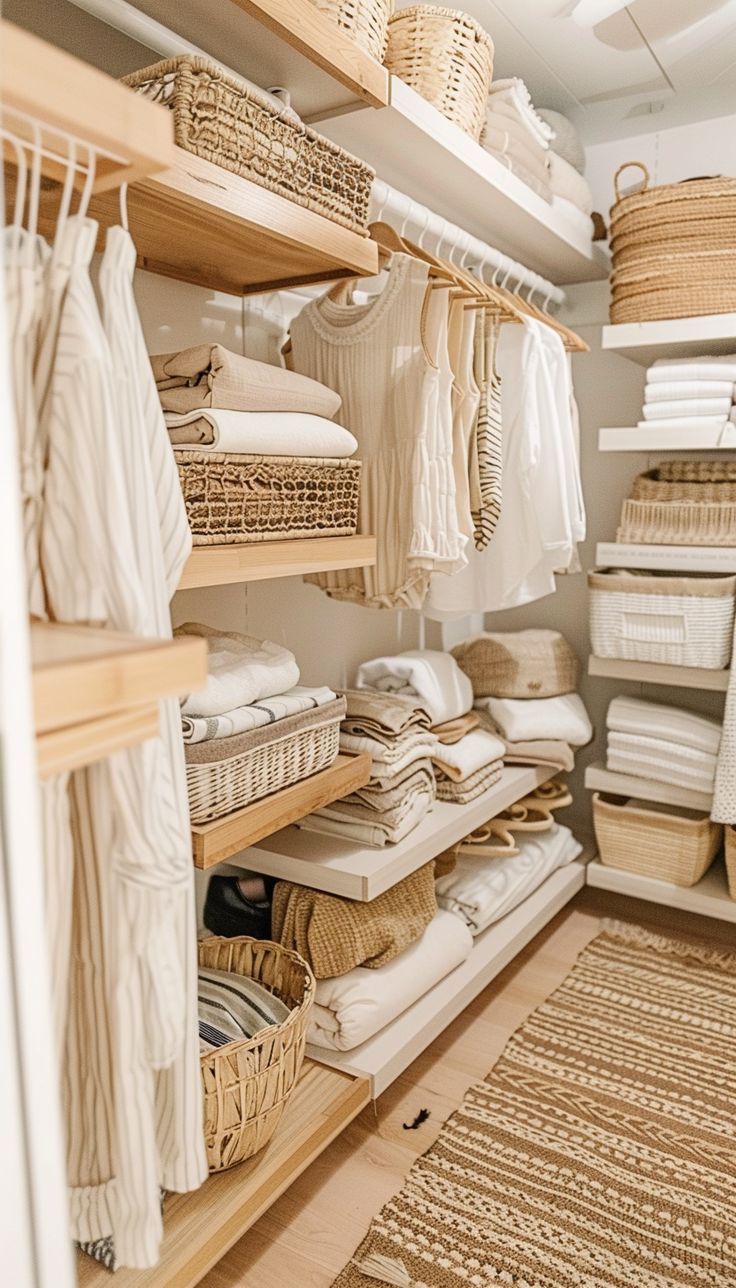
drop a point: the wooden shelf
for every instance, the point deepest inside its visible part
(386, 1055)
(683, 677)
(675, 559)
(263, 560)
(200, 1227)
(199, 223)
(634, 439)
(415, 148)
(362, 872)
(55, 89)
(600, 779)
(644, 342)
(709, 897)
(214, 842)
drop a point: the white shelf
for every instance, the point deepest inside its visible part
(644, 342)
(675, 559)
(386, 1055)
(415, 148)
(633, 439)
(709, 897)
(600, 779)
(682, 677)
(362, 872)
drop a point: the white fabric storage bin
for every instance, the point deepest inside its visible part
(654, 617)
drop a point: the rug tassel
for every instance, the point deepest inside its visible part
(387, 1270)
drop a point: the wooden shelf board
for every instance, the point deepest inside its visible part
(200, 1227)
(644, 342)
(633, 439)
(61, 750)
(600, 779)
(386, 1055)
(418, 150)
(683, 677)
(709, 897)
(56, 89)
(81, 673)
(263, 560)
(612, 554)
(362, 872)
(214, 842)
(202, 224)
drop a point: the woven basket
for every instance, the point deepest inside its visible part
(693, 481)
(676, 845)
(652, 617)
(729, 852)
(226, 783)
(231, 498)
(247, 1084)
(518, 664)
(677, 523)
(225, 121)
(447, 57)
(364, 21)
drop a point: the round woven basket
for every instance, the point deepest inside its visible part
(447, 57)
(365, 21)
(247, 1084)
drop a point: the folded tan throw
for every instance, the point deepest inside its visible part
(334, 935)
(208, 375)
(462, 793)
(453, 730)
(382, 715)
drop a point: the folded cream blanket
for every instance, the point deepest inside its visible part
(269, 711)
(565, 181)
(469, 789)
(507, 142)
(480, 891)
(688, 407)
(511, 97)
(528, 719)
(335, 935)
(241, 670)
(656, 720)
(671, 390)
(208, 375)
(475, 751)
(722, 367)
(382, 715)
(369, 827)
(260, 433)
(625, 762)
(397, 756)
(671, 753)
(426, 675)
(351, 1009)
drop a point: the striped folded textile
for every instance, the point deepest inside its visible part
(233, 1008)
(468, 789)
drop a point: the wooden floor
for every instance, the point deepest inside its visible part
(310, 1233)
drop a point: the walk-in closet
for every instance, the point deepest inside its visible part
(367, 694)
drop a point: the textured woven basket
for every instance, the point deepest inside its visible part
(219, 786)
(231, 124)
(652, 617)
(693, 481)
(519, 664)
(447, 57)
(677, 523)
(729, 852)
(654, 841)
(247, 1084)
(231, 498)
(365, 21)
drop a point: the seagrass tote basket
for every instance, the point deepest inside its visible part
(234, 125)
(247, 1085)
(447, 57)
(652, 840)
(364, 21)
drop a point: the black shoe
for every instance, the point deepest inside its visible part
(227, 912)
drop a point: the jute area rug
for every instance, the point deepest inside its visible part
(600, 1152)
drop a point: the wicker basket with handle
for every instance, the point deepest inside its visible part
(653, 617)
(247, 1084)
(447, 57)
(365, 21)
(668, 843)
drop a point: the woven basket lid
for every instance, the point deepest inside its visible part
(519, 664)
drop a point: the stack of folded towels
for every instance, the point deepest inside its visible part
(690, 394)
(662, 743)
(517, 136)
(571, 193)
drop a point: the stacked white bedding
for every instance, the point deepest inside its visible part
(662, 743)
(517, 136)
(562, 718)
(690, 394)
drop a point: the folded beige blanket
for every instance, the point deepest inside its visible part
(377, 714)
(453, 730)
(205, 753)
(369, 827)
(387, 795)
(392, 754)
(462, 793)
(333, 935)
(208, 375)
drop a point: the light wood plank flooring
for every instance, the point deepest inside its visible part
(314, 1228)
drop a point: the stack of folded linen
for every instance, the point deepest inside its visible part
(396, 731)
(690, 394)
(662, 743)
(571, 192)
(481, 891)
(466, 769)
(517, 136)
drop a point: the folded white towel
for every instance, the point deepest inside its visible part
(433, 677)
(264, 712)
(657, 771)
(722, 367)
(670, 755)
(529, 719)
(480, 891)
(352, 1008)
(528, 154)
(241, 670)
(265, 433)
(475, 751)
(693, 423)
(687, 407)
(508, 123)
(512, 96)
(658, 720)
(669, 390)
(567, 182)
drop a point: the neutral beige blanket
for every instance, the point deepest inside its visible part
(382, 715)
(209, 375)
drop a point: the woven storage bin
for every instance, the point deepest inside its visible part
(219, 786)
(652, 617)
(729, 851)
(447, 57)
(231, 498)
(364, 21)
(677, 523)
(670, 247)
(693, 481)
(518, 664)
(235, 126)
(661, 841)
(247, 1084)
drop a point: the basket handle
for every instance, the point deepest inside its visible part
(641, 166)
